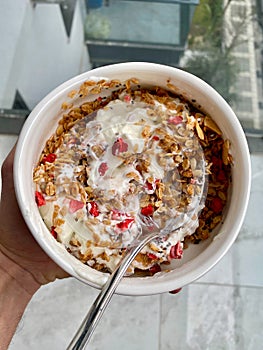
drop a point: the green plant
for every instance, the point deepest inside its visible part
(211, 55)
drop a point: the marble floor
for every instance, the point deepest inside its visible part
(223, 310)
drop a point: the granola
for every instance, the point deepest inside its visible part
(125, 155)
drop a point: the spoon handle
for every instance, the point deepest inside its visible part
(97, 309)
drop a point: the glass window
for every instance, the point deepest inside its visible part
(243, 83)
(242, 47)
(244, 104)
(242, 64)
(135, 21)
(238, 10)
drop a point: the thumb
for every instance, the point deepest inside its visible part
(7, 174)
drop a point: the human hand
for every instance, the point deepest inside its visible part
(16, 241)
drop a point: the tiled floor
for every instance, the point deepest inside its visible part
(221, 311)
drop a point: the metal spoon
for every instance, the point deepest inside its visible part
(97, 309)
(149, 231)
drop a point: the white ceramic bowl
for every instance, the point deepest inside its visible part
(198, 259)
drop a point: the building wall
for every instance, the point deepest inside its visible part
(35, 52)
(241, 22)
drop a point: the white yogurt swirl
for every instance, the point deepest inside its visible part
(133, 159)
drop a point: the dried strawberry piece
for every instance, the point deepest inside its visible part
(149, 186)
(147, 211)
(217, 205)
(217, 161)
(127, 98)
(103, 168)
(75, 205)
(115, 214)
(40, 199)
(175, 291)
(125, 225)
(119, 146)
(156, 138)
(177, 119)
(176, 251)
(221, 176)
(152, 256)
(93, 209)
(53, 232)
(154, 269)
(50, 158)
(217, 164)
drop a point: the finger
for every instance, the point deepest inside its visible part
(8, 201)
(7, 171)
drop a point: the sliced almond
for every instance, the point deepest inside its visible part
(210, 124)
(199, 131)
(225, 152)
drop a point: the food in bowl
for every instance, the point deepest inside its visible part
(125, 154)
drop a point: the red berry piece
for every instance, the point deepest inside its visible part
(125, 225)
(217, 205)
(217, 165)
(103, 168)
(147, 211)
(177, 119)
(119, 146)
(152, 256)
(217, 162)
(154, 269)
(149, 186)
(40, 199)
(115, 214)
(176, 251)
(221, 176)
(53, 232)
(175, 291)
(156, 138)
(75, 205)
(127, 98)
(50, 158)
(93, 209)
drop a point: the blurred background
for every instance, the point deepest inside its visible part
(45, 42)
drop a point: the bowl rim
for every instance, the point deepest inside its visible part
(204, 261)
